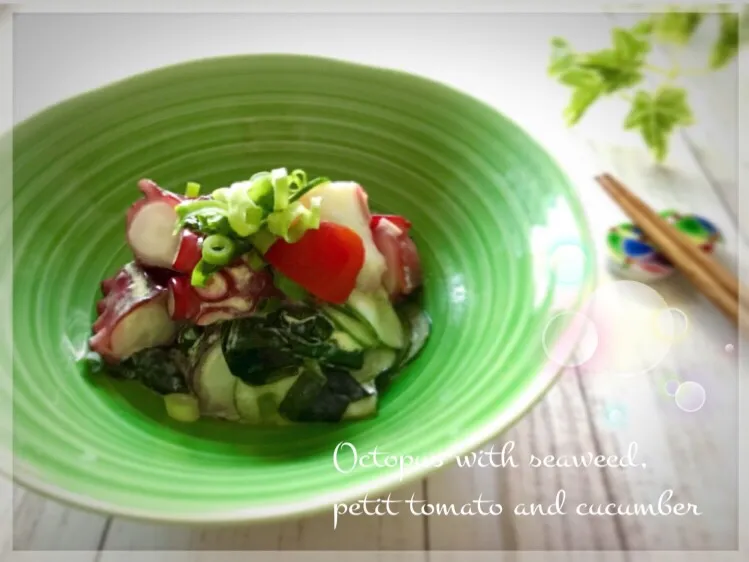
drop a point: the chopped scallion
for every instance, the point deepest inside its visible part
(281, 185)
(221, 194)
(217, 249)
(255, 261)
(308, 219)
(288, 287)
(188, 207)
(193, 189)
(201, 273)
(280, 221)
(300, 178)
(244, 215)
(263, 240)
(247, 217)
(299, 193)
(182, 407)
(261, 191)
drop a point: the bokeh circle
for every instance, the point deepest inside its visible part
(671, 387)
(621, 313)
(671, 324)
(690, 396)
(586, 346)
(616, 415)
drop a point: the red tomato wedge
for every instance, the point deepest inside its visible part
(325, 261)
(401, 222)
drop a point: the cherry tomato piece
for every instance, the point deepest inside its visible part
(325, 261)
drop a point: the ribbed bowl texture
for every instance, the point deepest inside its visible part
(488, 208)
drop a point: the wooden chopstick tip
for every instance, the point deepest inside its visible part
(605, 176)
(607, 181)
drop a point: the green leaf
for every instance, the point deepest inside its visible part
(620, 66)
(592, 75)
(727, 45)
(615, 73)
(676, 27)
(562, 56)
(629, 47)
(643, 27)
(580, 77)
(656, 116)
(589, 88)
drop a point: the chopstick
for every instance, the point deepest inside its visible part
(707, 274)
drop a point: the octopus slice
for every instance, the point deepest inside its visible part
(232, 292)
(150, 231)
(133, 315)
(403, 272)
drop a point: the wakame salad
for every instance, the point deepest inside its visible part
(274, 300)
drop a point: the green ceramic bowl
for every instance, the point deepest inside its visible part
(489, 208)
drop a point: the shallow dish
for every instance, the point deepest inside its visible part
(489, 210)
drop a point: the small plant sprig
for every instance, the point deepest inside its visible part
(622, 68)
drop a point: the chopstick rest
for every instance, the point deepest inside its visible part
(633, 256)
(714, 280)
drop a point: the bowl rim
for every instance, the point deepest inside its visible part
(535, 390)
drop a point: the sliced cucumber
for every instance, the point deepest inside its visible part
(197, 347)
(252, 402)
(378, 312)
(345, 341)
(418, 326)
(246, 400)
(269, 415)
(361, 409)
(359, 331)
(215, 385)
(376, 362)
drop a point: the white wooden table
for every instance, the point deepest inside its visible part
(500, 58)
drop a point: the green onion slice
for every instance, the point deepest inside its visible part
(192, 189)
(299, 177)
(308, 219)
(260, 190)
(188, 207)
(263, 240)
(253, 212)
(299, 193)
(221, 194)
(280, 221)
(182, 407)
(254, 260)
(217, 249)
(288, 287)
(281, 185)
(244, 215)
(201, 273)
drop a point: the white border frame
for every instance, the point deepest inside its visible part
(337, 6)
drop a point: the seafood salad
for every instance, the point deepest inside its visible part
(275, 300)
